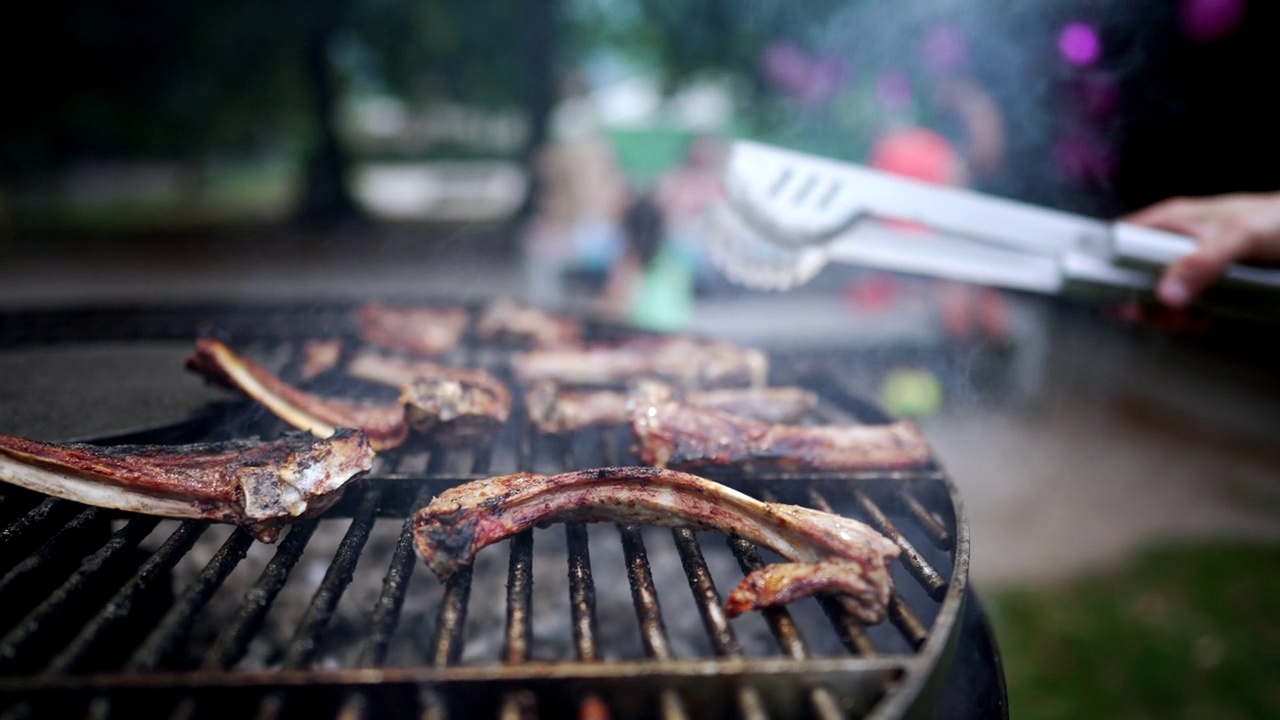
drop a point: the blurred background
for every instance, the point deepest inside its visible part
(1121, 470)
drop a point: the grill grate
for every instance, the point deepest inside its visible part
(102, 623)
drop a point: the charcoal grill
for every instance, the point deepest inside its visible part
(102, 620)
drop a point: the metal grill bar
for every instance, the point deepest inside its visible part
(177, 622)
(120, 605)
(936, 531)
(234, 640)
(785, 631)
(838, 609)
(519, 597)
(582, 599)
(324, 602)
(81, 523)
(582, 593)
(710, 604)
(711, 608)
(446, 643)
(899, 614)
(303, 645)
(644, 595)
(911, 558)
(33, 519)
(386, 612)
(43, 616)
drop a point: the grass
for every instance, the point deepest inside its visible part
(1179, 632)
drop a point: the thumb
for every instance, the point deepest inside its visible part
(1189, 276)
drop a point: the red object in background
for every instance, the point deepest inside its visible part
(918, 153)
(1170, 321)
(876, 293)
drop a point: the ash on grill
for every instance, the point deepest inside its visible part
(563, 620)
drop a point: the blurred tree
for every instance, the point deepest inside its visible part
(142, 79)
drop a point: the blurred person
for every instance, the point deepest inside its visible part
(651, 284)
(582, 192)
(925, 155)
(1229, 228)
(683, 195)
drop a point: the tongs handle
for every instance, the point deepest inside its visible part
(1141, 246)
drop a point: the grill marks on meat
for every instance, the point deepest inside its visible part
(685, 361)
(770, 404)
(454, 406)
(553, 409)
(676, 433)
(782, 583)
(261, 485)
(506, 320)
(319, 357)
(321, 416)
(460, 521)
(418, 330)
(460, 407)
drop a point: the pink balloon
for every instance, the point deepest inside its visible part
(1079, 44)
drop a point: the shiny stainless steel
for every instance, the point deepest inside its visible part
(786, 214)
(121, 647)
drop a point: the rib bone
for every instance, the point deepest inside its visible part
(321, 416)
(261, 485)
(460, 521)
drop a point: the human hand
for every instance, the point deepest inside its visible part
(1228, 228)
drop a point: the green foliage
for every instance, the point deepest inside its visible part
(1181, 632)
(150, 78)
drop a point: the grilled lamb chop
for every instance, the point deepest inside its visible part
(670, 432)
(782, 583)
(505, 319)
(319, 357)
(770, 404)
(688, 362)
(460, 521)
(261, 485)
(419, 330)
(455, 406)
(461, 407)
(384, 423)
(553, 409)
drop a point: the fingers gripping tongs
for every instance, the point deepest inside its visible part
(784, 215)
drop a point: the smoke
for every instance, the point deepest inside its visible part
(1061, 114)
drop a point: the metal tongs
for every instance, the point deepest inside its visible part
(784, 215)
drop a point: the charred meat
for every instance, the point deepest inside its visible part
(319, 357)
(506, 320)
(770, 404)
(257, 484)
(418, 330)
(454, 406)
(554, 409)
(460, 521)
(685, 361)
(460, 407)
(670, 432)
(384, 423)
(782, 583)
